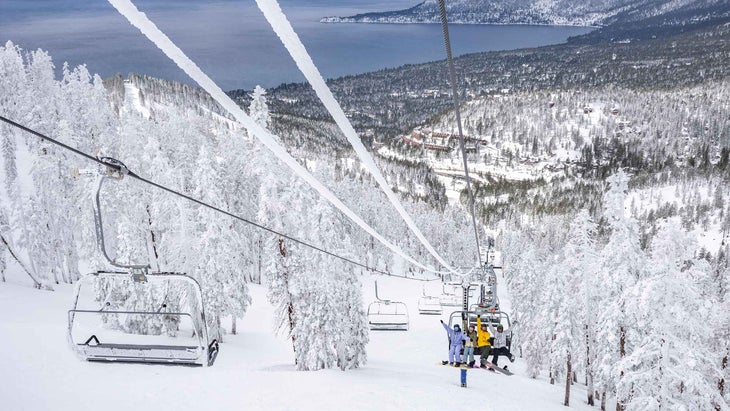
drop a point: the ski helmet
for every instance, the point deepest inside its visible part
(457, 328)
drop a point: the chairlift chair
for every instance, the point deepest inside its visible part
(93, 321)
(452, 298)
(467, 318)
(387, 315)
(429, 305)
(89, 319)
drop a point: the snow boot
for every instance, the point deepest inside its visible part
(463, 385)
(471, 364)
(457, 364)
(444, 362)
(483, 366)
(491, 369)
(512, 358)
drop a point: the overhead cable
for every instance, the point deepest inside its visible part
(283, 29)
(154, 34)
(132, 174)
(457, 109)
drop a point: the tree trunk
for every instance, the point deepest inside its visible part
(589, 370)
(290, 306)
(552, 372)
(721, 383)
(233, 325)
(568, 376)
(589, 383)
(622, 351)
(603, 401)
(153, 238)
(261, 251)
(37, 284)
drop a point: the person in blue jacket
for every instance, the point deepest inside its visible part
(457, 338)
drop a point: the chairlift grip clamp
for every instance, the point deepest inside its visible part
(114, 168)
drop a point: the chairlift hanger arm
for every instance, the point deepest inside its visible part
(116, 174)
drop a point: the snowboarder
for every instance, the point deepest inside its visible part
(469, 346)
(483, 344)
(457, 338)
(500, 345)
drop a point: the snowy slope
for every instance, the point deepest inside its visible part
(254, 370)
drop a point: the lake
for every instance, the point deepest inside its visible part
(234, 44)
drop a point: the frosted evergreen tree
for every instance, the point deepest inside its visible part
(258, 109)
(622, 264)
(671, 366)
(574, 339)
(526, 288)
(219, 268)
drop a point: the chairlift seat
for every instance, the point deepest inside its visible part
(204, 352)
(171, 354)
(429, 306)
(388, 315)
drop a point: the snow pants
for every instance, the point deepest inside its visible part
(484, 353)
(496, 352)
(455, 353)
(468, 352)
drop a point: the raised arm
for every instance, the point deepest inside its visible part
(446, 327)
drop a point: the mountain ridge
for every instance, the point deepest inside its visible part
(551, 12)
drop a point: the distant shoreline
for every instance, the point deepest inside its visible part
(345, 20)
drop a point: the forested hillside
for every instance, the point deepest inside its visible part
(388, 102)
(176, 136)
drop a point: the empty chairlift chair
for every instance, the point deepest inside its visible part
(387, 314)
(123, 317)
(451, 295)
(134, 315)
(429, 305)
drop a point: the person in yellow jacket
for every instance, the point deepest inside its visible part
(483, 345)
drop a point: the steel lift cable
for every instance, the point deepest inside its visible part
(115, 166)
(138, 19)
(293, 44)
(455, 92)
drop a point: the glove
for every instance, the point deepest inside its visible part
(442, 321)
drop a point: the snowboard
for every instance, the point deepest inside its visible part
(498, 368)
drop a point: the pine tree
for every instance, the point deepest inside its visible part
(671, 366)
(621, 266)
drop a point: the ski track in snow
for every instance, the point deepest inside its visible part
(150, 30)
(254, 370)
(278, 21)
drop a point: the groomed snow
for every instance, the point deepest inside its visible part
(254, 370)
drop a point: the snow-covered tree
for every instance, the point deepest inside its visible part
(671, 366)
(622, 264)
(258, 109)
(574, 335)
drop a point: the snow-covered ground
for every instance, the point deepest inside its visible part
(254, 370)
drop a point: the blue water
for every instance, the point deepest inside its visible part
(233, 43)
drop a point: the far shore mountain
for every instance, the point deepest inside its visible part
(551, 12)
